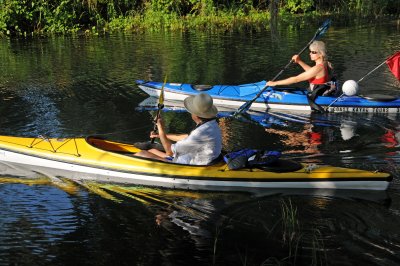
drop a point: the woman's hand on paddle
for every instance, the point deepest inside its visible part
(271, 84)
(296, 58)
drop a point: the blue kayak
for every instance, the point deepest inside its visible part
(234, 96)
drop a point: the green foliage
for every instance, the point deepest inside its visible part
(203, 7)
(368, 8)
(21, 17)
(299, 6)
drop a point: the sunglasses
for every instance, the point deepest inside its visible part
(313, 52)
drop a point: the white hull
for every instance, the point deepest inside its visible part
(172, 96)
(81, 172)
(235, 104)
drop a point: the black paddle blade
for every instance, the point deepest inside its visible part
(323, 29)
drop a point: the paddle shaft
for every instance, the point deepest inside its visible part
(248, 104)
(288, 64)
(160, 106)
(155, 128)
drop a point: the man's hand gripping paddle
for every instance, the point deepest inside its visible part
(160, 106)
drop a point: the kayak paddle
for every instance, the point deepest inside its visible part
(318, 34)
(160, 106)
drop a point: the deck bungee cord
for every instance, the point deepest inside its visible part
(41, 138)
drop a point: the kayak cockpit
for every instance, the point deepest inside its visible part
(131, 149)
(112, 146)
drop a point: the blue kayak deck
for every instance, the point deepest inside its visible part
(277, 95)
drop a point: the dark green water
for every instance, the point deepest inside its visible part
(73, 86)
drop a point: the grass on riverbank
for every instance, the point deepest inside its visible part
(159, 21)
(155, 21)
(38, 17)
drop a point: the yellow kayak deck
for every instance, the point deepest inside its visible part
(116, 156)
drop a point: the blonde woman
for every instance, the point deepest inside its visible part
(319, 74)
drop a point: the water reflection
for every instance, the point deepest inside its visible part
(391, 138)
(297, 226)
(308, 139)
(347, 130)
(43, 112)
(42, 216)
(310, 229)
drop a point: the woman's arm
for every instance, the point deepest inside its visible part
(309, 74)
(297, 60)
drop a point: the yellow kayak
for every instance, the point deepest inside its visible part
(98, 159)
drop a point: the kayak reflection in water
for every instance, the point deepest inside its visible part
(391, 138)
(307, 138)
(347, 130)
(202, 146)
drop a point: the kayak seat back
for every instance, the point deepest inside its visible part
(202, 87)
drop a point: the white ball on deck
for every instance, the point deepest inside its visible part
(350, 88)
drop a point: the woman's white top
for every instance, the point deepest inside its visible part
(201, 147)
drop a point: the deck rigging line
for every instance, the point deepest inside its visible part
(42, 138)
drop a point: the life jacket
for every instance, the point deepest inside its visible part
(324, 86)
(328, 82)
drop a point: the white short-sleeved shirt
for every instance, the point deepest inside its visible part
(201, 147)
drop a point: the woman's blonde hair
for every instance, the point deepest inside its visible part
(320, 47)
